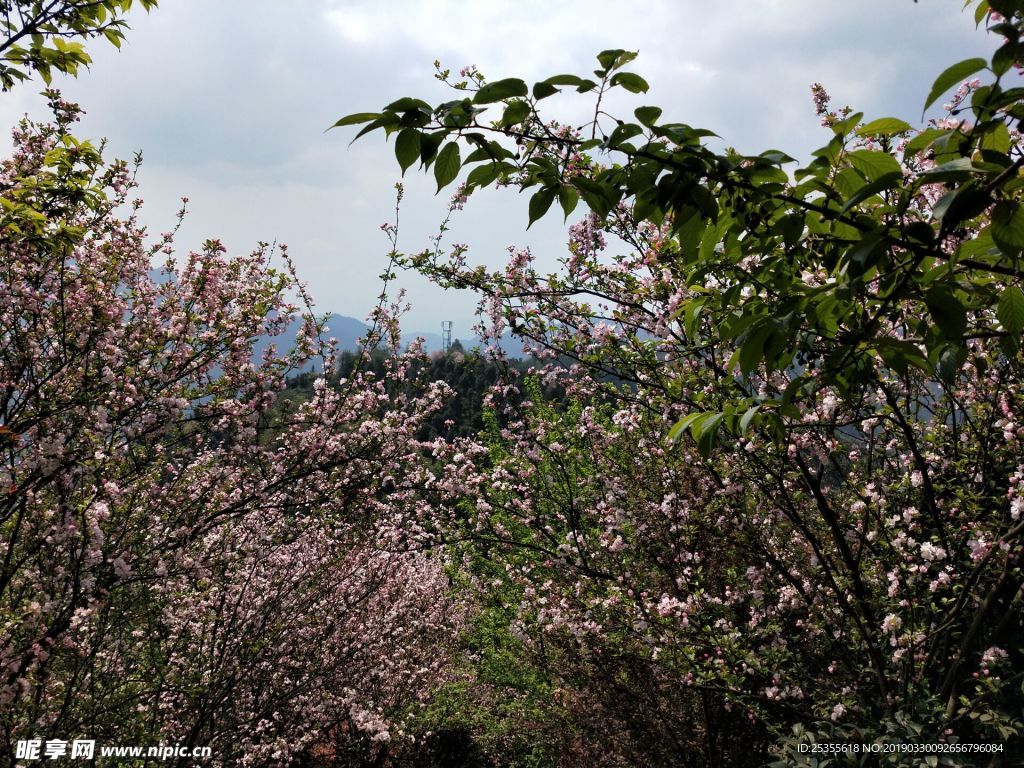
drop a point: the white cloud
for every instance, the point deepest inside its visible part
(229, 101)
(353, 25)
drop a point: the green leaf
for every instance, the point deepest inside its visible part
(952, 76)
(488, 150)
(581, 85)
(899, 355)
(114, 37)
(705, 431)
(981, 245)
(613, 59)
(950, 358)
(961, 204)
(568, 198)
(692, 315)
(776, 157)
(1010, 310)
(884, 126)
(1004, 58)
(919, 231)
(847, 182)
(357, 118)
(429, 142)
(407, 104)
(792, 229)
(1008, 227)
(501, 89)
(689, 228)
(865, 254)
(882, 183)
(543, 89)
(447, 165)
(598, 197)
(747, 418)
(874, 165)
(452, 114)
(752, 351)
(623, 133)
(647, 115)
(564, 80)
(630, 81)
(924, 140)
(387, 121)
(954, 170)
(515, 112)
(540, 203)
(997, 138)
(980, 13)
(947, 311)
(680, 426)
(845, 126)
(483, 175)
(407, 147)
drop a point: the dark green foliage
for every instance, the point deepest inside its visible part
(469, 375)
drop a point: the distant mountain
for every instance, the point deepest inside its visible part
(348, 331)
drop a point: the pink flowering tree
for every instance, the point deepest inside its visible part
(787, 496)
(169, 573)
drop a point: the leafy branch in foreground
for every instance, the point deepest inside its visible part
(889, 251)
(42, 35)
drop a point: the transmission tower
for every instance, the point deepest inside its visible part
(446, 336)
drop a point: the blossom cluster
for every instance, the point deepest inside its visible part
(180, 558)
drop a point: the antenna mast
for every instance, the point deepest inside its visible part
(446, 336)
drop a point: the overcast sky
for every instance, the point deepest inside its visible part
(229, 101)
